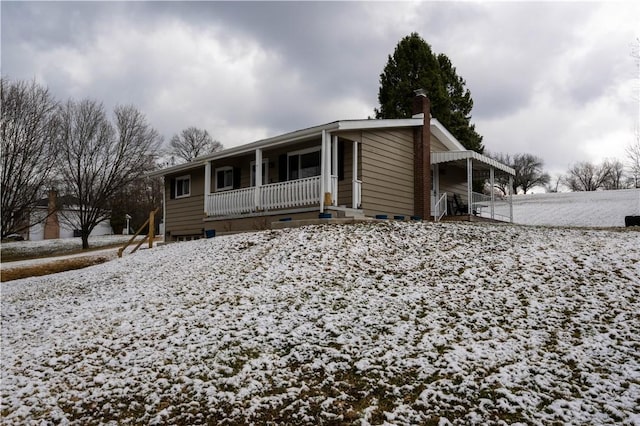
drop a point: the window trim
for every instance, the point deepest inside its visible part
(176, 186)
(265, 167)
(223, 169)
(300, 153)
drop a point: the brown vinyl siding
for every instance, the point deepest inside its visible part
(256, 223)
(453, 179)
(387, 172)
(184, 215)
(436, 145)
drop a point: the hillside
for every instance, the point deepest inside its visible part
(404, 323)
(594, 208)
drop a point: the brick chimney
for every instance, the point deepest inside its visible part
(422, 156)
(51, 224)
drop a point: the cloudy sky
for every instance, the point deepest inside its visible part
(554, 79)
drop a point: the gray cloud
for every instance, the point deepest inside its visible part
(244, 70)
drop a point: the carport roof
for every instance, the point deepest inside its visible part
(448, 156)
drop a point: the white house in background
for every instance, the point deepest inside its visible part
(53, 223)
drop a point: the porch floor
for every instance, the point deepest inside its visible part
(469, 218)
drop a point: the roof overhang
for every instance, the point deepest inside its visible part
(449, 156)
(291, 137)
(347, 125)
(445, 136)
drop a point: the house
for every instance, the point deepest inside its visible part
(350, 168)
(57, 217)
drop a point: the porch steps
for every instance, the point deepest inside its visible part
(345, 212)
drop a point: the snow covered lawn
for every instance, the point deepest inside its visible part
(30, 249)
(595, 208)
(404, 323)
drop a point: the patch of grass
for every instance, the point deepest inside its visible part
(10, 255)
(50, 267)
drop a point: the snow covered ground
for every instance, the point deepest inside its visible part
(403, 323)
(595, 209)
(60, 245)
(62, 249)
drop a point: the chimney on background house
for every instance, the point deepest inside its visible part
(51, 224)
(422, 155)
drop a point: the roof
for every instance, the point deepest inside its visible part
(447, 156)
(61, 201)
(312, 132)
(298, 135)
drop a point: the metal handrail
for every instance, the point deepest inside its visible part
(440, 212)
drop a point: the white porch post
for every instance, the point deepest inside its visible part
(164, 208)
(207, 186)
(258, 176)
(355, 187)
(510, 198)
(323, 164)
(493, 198)
(469, 186)
(334, 171)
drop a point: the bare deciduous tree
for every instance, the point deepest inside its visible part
(100, 158)
(193, 142)
(586, 176)
(554, 184)
(615, 174)
(528, 170)
(501, 181)
(633, 156)
(28, 130)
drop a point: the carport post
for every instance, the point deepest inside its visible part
(493, 197)
(469, 186)
(510, 198)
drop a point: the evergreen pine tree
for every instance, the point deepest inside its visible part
(412, 66)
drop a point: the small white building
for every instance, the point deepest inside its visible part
(57, 218)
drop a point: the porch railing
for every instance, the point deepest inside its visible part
(481, 206)
(293, 193)
(231, 202)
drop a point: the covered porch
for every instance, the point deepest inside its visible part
(291, 176)
(454, 174)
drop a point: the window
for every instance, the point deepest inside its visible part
(183, 186)
(224, 178)
(265, 172)
(304, 164)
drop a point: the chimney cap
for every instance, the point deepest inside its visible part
(420, 92)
